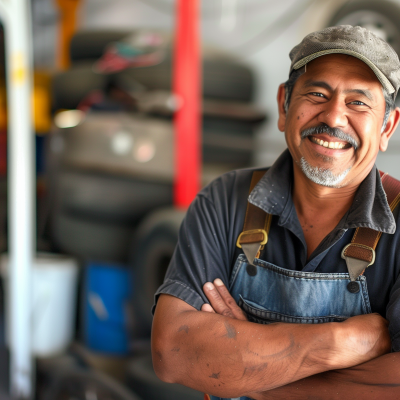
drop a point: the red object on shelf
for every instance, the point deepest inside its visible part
(187, 89)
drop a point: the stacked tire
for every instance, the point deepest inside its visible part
(88, 220)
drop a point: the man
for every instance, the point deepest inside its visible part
(336, 332)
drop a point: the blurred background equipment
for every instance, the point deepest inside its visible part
(112, 158)
(106, 298)
(53, 303)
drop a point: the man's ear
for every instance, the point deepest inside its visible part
(281, 107)
(390, 127)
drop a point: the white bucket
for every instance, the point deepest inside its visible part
(54, 291)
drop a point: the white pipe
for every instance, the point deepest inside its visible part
(16, 16)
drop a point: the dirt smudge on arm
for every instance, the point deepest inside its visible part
(215, 376)
(184, 328)
(230, 330)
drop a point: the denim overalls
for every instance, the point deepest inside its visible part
(268, 293)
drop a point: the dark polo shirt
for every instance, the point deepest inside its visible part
(207, 239)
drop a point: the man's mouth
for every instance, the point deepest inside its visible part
(329, 145)
(330, 138)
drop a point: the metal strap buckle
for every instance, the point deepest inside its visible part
(251, 232)
(357, 266)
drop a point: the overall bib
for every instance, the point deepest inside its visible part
(268, 293)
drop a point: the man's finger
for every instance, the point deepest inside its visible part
(216, 301)
(229, 300)
(207, 308)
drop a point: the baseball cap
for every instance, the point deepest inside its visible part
(354, 41)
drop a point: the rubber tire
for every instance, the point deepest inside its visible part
(90, 240)
(90, 45)
(68, 88)
(223, 79)
(142, 379)
(109, 198)
(226, 141)
(153, 245)
(74, 379)
(388, 9)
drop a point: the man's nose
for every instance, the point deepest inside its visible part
(334, 114)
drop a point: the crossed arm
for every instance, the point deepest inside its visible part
(219, 352)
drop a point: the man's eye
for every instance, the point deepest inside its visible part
(358, 103)
(317, 94)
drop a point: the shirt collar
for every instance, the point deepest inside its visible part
(370, 208)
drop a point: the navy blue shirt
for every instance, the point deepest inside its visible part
(207, 240)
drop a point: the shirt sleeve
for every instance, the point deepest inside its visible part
(393, 316)
(206, 245)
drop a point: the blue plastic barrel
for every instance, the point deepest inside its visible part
(107, 292)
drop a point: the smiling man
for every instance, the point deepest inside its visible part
(293, 291)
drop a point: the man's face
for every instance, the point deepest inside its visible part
(340, 92)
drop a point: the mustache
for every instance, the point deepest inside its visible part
(334, 132)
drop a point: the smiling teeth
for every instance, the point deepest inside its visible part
(330, 145)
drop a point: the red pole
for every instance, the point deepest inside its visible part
(187, 89)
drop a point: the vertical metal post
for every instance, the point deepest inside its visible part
(16, 16)
(187, 89)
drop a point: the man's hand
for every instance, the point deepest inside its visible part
(221, 301)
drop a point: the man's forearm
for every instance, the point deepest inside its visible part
(374, 380)
(225, 357)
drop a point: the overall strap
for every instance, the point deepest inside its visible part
(360, 253)
(256, 226)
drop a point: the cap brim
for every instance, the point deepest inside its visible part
(382, 78)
